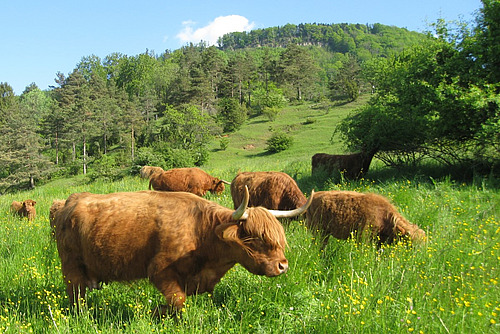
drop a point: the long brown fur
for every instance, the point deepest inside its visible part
(342, 214)
(56, 206)
(182, 243)
(272, 190)
(146, 171)
(24, 209)
(193, 180)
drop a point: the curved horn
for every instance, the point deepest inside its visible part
(295, 212)
(240, 213)
(223, 181)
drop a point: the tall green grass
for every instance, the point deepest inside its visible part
(451, 285)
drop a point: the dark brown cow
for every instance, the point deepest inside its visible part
(182, 243)
(56, 206)
(24, 209)
(146, 171)
(352, 166)
(342, 214)
(272, 190)
(192, 180)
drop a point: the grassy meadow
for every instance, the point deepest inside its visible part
(451, 285)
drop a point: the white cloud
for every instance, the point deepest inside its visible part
(215, 29)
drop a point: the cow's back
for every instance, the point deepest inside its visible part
(272, 190)
(193, 180)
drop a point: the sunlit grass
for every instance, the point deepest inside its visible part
(450, 285)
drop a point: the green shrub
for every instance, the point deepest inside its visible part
(271, 112)
(278, 142)
(224, 143)
(107, 168)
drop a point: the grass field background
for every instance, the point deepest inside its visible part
(449, 286)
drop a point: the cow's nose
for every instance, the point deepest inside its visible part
(283, 266)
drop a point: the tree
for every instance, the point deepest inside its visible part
(21, 158)
(74, 98)
(425, 106)
(348, 79)
(7, 98)
(231, 114)
(297, 69)
(487, 45)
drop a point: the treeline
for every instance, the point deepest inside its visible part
(113, 114)
(363, 41)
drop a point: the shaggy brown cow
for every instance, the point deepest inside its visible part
(192, 180)
(57, 205)
(24, 209)
(272, 190)
(344, 213)
(182, 243)
(352, 166)
(146, 171)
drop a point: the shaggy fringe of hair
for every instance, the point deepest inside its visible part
(263, 225)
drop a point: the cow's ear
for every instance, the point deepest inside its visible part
(227, 232)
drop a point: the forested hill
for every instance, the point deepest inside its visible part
(376, 39)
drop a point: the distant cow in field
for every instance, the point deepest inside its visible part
(342, 214)
(352, 166)
(272, 190)
(182, 243)
(24, 209)
(146, 171)
(193, 180)
(56, 206)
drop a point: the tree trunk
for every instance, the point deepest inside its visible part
(84, 156)
(132, 143)
(105, 146)
(57, 148)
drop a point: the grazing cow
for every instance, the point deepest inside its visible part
(56, 206)
(272, 190)
(24, 209)
(146, 171)
(352, 166)
(192, 180)
(182, 243)
(342, 214)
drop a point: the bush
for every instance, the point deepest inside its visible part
(148, 156)
(224, 143)
(278, 142)
(271, 113)
(108, 168)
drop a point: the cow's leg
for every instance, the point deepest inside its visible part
(168, 284)
(76, 283)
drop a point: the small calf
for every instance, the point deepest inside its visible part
(24, 209)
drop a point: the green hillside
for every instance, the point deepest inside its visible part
(311, 126)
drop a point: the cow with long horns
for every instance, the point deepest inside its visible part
(182, 243)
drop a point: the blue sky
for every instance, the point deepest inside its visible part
(41, 38)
